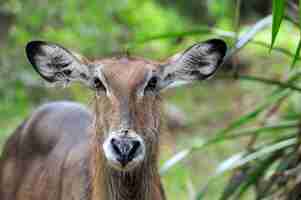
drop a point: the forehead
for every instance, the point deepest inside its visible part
(126, 73)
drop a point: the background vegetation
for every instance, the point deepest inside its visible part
(238, 134)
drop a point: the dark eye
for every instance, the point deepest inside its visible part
(98, 84)
(67, 72)
(152, 84)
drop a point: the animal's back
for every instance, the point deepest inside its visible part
(47, 156)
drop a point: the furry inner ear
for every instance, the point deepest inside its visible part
(198, 62)
(55, 63)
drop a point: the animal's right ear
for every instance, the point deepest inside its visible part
(56, 64)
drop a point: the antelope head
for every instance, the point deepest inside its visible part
(128, 93)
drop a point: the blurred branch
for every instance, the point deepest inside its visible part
(247, 37)
(237, 16)
(292, 14)
(6, 21)
(236, 26)
(279, 49)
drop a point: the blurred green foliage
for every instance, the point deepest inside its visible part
(259, 108)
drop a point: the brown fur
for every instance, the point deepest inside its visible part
(56, 154)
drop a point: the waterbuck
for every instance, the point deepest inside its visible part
(64, 151)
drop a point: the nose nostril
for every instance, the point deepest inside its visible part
(135, 147)
(114, 144)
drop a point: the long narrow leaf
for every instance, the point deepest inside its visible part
(256, 173)
(297, 53)
(270, 81)
(296, 56)
(259, 130)
(278, 49)
(284, 164)
(237, 179)
(258, 154)
(246, 177)
(278, 13)
(274, 97)
(238, 161)
(175, 159)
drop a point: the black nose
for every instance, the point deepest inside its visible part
(125, 149)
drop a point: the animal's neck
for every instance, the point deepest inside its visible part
(142, 183)
(135, 185)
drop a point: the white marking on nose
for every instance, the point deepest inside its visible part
(113, 157)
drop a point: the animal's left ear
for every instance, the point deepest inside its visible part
(198, 62)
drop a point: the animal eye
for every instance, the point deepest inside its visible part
(152, 84)
(98, 84)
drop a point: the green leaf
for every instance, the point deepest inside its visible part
(296, 56)
(270, 81)
(274, 97)
(278, 13)
(270, 128)
(221, 135)
(247, 176)
(286, 161)
(260, 153)
(243, 179)
(237, 179)
(257, 172)
(278, 49)
(174, 160)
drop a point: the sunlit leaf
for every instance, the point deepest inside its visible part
(174, 160)
(261, 152)
(249, 35)
(226, 164)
